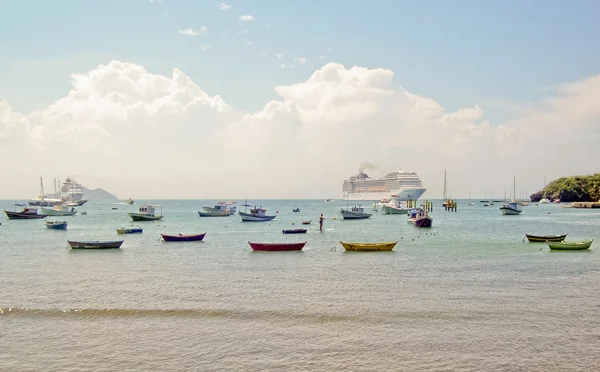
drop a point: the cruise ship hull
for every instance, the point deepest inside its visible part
(402, 195)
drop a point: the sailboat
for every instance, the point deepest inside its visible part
(513, 208)
(445, 196)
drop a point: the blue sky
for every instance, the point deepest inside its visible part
(461, 53)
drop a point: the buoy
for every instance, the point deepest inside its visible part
(276, 211)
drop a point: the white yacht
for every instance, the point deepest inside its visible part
(399, 185)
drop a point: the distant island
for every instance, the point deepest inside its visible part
(571, 189)
(97, 194)
(70, 188)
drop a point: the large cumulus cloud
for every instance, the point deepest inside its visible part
(147, 135)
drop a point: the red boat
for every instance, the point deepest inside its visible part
(272, 247)
(183, 238)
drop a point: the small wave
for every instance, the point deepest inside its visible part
(282, 315)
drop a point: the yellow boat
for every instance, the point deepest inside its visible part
(369, 247)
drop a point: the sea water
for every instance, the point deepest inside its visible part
(467, 294)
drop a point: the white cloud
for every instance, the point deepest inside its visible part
(278, 55)
(283, 65)
(156, 1)
(224, 6)
(300, 60)
(247, 18)
(191, 32)
(205, 47)
(262, 53)
(311, 134)
(249, 43)
(243, 32)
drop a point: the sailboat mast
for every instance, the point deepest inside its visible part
(445, 196)
(514, 187)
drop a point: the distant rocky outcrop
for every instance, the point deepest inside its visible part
(97, 194)
(571, 189)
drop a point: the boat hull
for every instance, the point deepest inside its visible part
(277, 247)
(144, 217)
(571, 246)
(53, 212)
(349, 215)
(295, 231)
(403, 194)
(214, 214)
(248, 217)
(129, 231)
(183, 238)
(95, 244)
(509, 211)
(368, 247)
(56, 226)
(23, 216)
(392, 210)
(424, 221)
(545, 238)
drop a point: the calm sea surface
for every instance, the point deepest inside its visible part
(465, 295)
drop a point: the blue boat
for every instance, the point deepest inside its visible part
(56, 225)
(133, 230)
(296, 210)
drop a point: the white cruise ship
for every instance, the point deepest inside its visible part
(399, 185)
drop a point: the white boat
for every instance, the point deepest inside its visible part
(146, 213)
(70, 193)
(393, 206)
(544, 201)
(356, 213)
(512, 208)
(59, 210)
(404, 185)
(222, 207)
(255, 215)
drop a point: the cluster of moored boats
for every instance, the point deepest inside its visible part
(417, 216)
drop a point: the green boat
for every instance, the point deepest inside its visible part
(571, 246)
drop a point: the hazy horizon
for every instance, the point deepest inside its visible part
(159, 100)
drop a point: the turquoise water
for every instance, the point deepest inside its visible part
(467, 294)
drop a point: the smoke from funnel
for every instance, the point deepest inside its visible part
(368, 165)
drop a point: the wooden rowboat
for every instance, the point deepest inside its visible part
(545, 238)
(369, 247)
(183, 238)
(295, 231)
(571, 246)
(277, 247)
(56, 225)
(95, 244)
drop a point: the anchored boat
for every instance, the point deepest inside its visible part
(134, 230)
(256, 214)
(369, 247)
(95, 244)
(146, 213)
(545, 238)
(56, 225)
(277, 247)
(571, 246)
(182, 237)
(295, 231)
(25, 214)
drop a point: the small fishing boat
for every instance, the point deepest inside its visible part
(355, 213)
(255, 215)
(27, 213)
(545, 238)
(277, 247)
(59, 210)
(146, 213)
(306, 222)
(214, 214)
(133, 230)
(221, 209)
(571, 246)
(511, 209)
(182, 237)
(295, 231)
(296, 210)
(95, 244)
(369, 247)
(420, 218)
(130, 201)
(56, 225)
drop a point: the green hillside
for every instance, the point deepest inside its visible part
(571, 189)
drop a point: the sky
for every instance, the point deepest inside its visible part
(285, 99)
